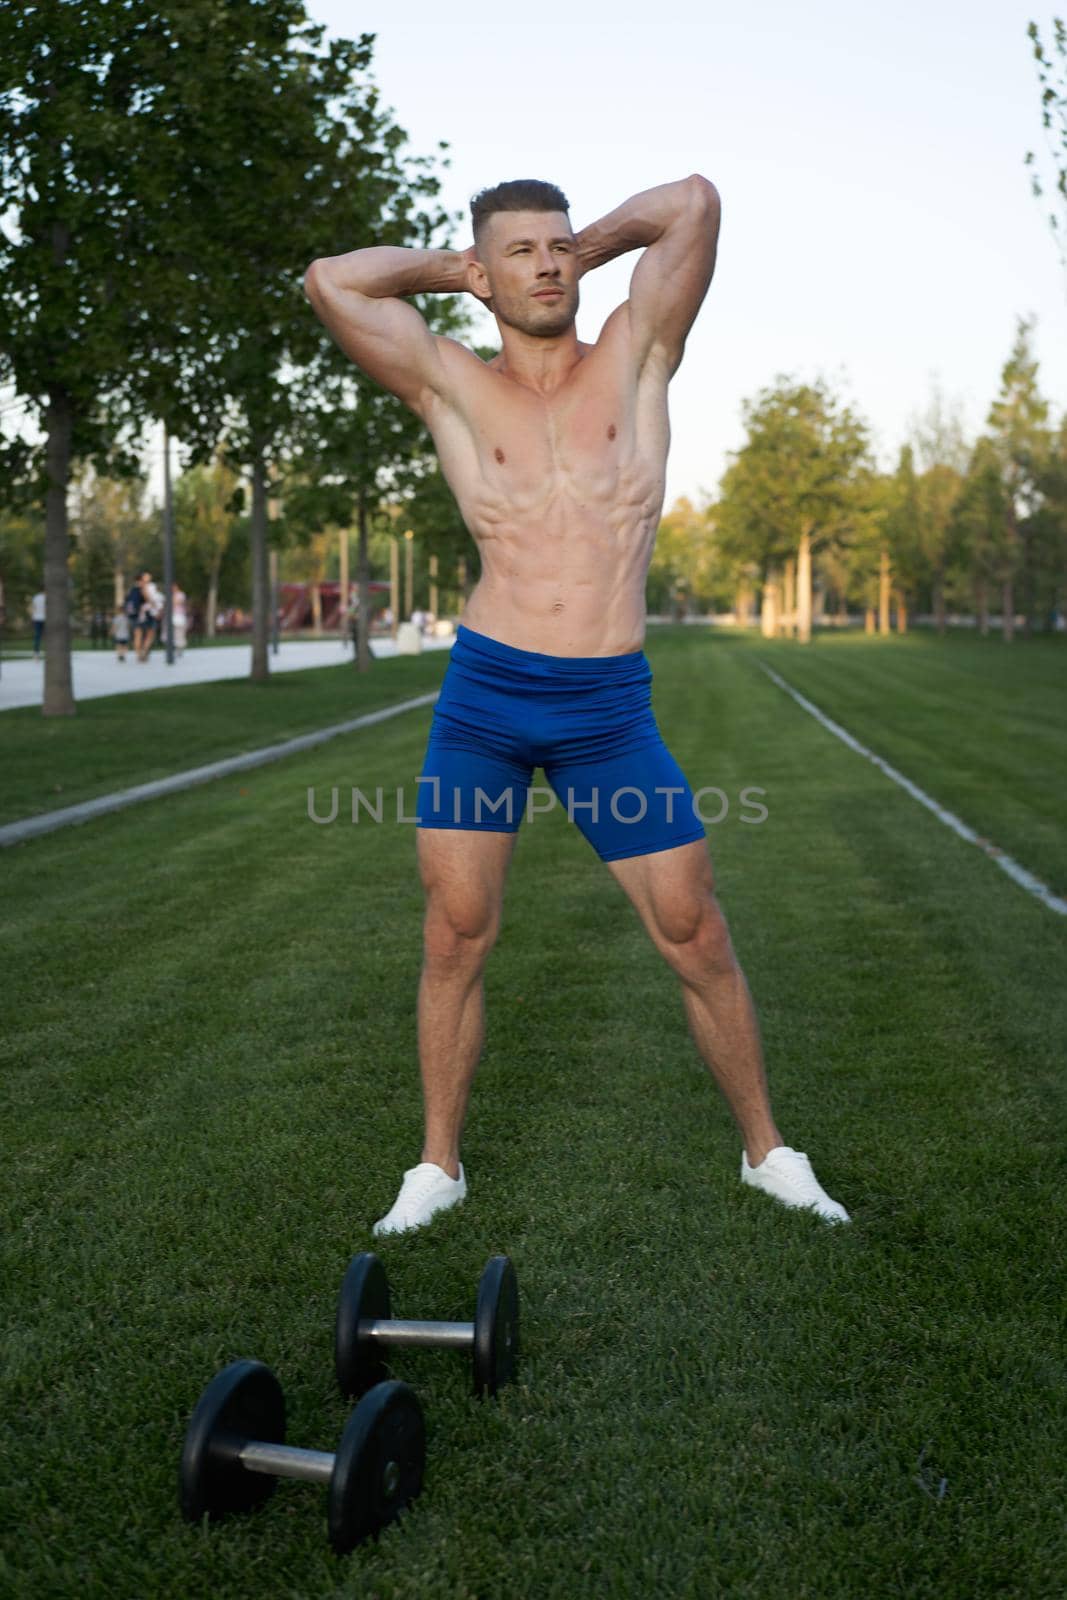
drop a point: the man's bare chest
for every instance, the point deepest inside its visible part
(598, 427)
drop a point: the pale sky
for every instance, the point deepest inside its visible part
(878, 225)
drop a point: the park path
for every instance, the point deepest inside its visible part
(98, 672)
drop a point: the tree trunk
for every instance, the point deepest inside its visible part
(168, 552)
(364, 658)
(804, 589)
(260, 576)
(869, 620)
(902, 612)
(343, 587)
(981, 606)
(789, 620)
(212, 597)
(884, 585)
(433, 587)
(769, 609)
(1007, 611)
(316, 609)
(120, 588)
(58, 687)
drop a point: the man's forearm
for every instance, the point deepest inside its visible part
(388, 269)
(639, 221)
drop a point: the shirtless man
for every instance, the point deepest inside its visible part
(556, 453)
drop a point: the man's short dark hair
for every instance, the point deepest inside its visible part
(521, 194)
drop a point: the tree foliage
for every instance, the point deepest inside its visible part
(172, 166)
(801, 470)
(1052, 75)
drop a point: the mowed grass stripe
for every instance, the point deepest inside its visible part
(208, 1104)
(948, 819)
(981, 726)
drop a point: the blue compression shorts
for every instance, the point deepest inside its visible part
(587, 720)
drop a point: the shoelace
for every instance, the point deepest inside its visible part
(798, 1168)
(417, 1186)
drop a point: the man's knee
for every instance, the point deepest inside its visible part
(459, 930)
(694, 936)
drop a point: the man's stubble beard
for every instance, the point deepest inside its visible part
(528, 319)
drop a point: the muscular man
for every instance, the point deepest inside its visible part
(556, 453)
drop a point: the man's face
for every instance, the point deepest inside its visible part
(525, 254)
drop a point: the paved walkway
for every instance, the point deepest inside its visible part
(98, 672)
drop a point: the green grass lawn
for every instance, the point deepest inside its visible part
(118, 741)
(210, 1091)
(980, 725)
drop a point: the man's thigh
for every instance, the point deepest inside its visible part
(463, 874)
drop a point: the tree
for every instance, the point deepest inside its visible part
(1017, 427)
(115, 532)
(207, 502)
(1048, 530)
(941, 456)
(903, 539)
(976, 533)
(686, 568)
(78, 274)
(293, 162)
(173, 166)
(21, 561)
(797, 485)
(1052, 74)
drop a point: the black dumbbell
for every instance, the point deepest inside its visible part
(365, 1325)
(235, 1449)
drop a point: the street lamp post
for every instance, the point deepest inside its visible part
(168, 550)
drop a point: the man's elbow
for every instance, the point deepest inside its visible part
(317, 277)
(705, 188)
(312, 277)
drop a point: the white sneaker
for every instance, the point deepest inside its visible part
(426, 1190)
(787, 1175)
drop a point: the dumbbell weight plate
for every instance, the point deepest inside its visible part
(364, 1297)
(496, 1327)
(379, 1465)
(244, 1401)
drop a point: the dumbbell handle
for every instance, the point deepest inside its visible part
(434, 1335)
(286, 1461)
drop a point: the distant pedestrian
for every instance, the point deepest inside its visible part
(151, 612)
(133, 606)
(120, 632)
(37, 616)
(179, 617)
